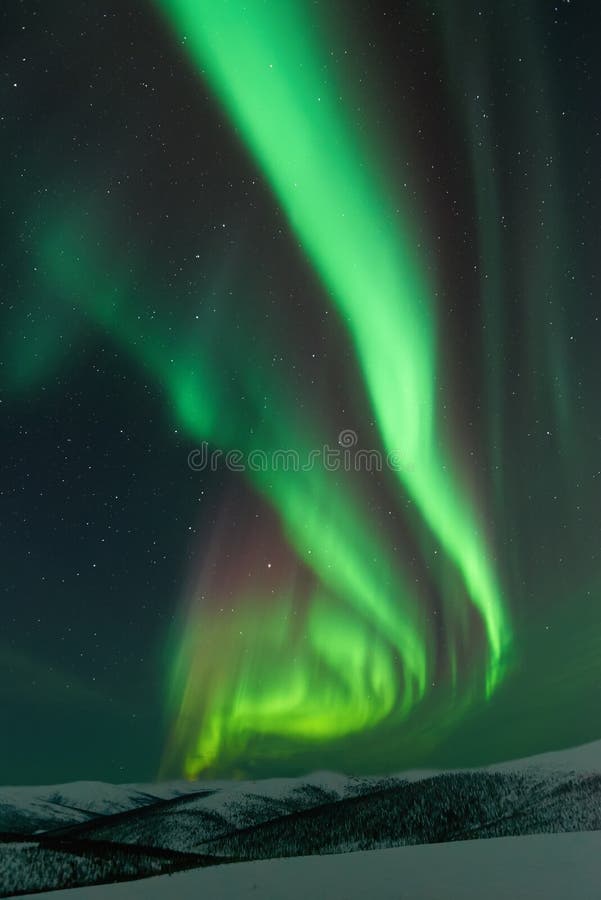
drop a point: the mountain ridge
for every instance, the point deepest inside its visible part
(88, 832)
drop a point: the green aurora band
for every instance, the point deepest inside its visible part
(364, 647)
(265, 62)
(346, 647)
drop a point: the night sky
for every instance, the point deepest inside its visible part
(278, 226)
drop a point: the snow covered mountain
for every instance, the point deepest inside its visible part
(88, 832)
(25, 810)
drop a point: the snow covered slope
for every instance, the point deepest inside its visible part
(539, 867)
(583, 759)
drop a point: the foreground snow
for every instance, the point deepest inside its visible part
(549, 867)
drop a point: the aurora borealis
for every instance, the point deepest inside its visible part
(266, 225)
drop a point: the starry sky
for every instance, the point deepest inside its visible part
(270, 227)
